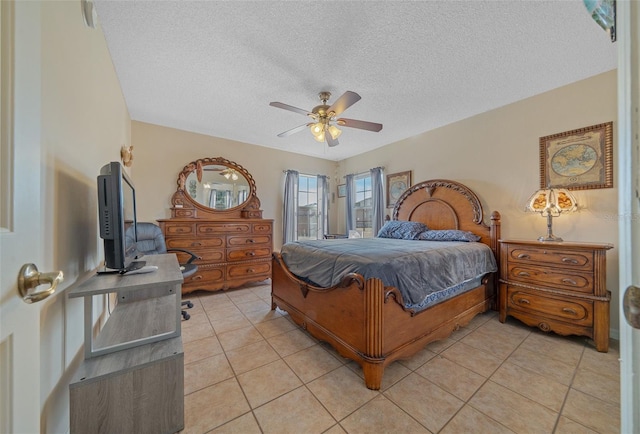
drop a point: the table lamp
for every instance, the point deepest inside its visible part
(551, 202)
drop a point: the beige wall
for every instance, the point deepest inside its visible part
(497, 155)
(84, 121)
(160, 154)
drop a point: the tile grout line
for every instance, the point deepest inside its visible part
(566, 395)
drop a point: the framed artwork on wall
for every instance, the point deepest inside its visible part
(397, 183)
(579, 159)
(342, 190)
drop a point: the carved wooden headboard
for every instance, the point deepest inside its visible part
(445, 204)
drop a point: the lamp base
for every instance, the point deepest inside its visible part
(551, 238)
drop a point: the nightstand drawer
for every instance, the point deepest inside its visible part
(576, 311)
(551, 256)
(551, 277)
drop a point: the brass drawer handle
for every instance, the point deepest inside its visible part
(523, 256)
(198, 277)
(524, 274)
(524, 301)
(570, 260)
(239, 229)
(250, 253)
(569, 310)
(570, 281)
(194, 244)
(250, 241)
(251, 270)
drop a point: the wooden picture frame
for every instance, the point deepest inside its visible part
(342, 190)
(579, 159)
(397, 183)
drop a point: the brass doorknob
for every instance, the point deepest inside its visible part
(29, 278)
(631, 306)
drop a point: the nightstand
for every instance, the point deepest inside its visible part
(556, 286)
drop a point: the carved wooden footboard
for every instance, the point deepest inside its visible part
(366, 322)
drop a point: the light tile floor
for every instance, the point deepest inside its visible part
(249, 369)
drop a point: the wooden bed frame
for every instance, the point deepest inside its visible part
(366, 321)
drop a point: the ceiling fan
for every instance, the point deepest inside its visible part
(325, 118)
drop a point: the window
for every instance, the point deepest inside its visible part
(364, 205)
(307, 207)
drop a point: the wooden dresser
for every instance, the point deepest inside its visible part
(216, 215)
(556, 286)
(233, 252)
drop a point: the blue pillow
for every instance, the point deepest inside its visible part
(402, 230)
(448, 235)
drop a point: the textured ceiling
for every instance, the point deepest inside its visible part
(213, 67)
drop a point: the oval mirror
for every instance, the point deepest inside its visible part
(216, 184)
(218, 187)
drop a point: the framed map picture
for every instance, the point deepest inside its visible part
(397, 183)
(579, 159)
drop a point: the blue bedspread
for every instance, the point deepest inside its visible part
(424, 272)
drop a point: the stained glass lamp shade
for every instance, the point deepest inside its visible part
(551, 203)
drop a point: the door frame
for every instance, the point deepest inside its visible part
(628, 179)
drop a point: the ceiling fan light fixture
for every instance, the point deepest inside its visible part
(317, 129)
(325, 117)
(334, 131)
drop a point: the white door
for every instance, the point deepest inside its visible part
(20, 217)
(629, 204)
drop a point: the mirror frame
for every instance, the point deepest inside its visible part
(183, 205)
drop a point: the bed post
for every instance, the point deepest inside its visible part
(373, 363)
(495, 234)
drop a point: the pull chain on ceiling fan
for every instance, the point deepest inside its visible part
(324, 127)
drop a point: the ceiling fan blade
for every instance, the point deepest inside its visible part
(290, 108)
(330, 140)
(363, 125)
(345, 101)
(293, 130)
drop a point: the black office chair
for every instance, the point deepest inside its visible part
(151, 242)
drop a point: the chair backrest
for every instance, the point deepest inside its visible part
(150, 239)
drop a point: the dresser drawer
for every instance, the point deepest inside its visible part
(206, 274)
(550, 256)
(247, 241)
(182, 212)
(206, 256)
(576, 311)
(222, 228)
(193, 244)
(261, 228)
(179, 229)
(552, 277)
(248, 253)
(247, 270)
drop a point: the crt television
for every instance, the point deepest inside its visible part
(117, 215)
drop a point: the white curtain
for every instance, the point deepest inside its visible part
(351, 202)
(290, 211)
(377, 196)
(323, 206)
